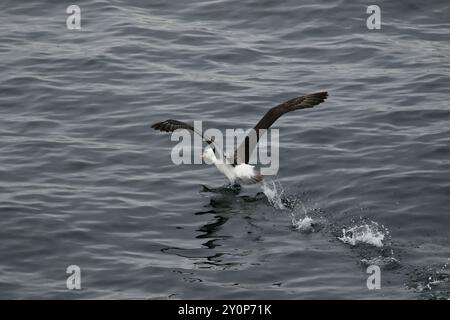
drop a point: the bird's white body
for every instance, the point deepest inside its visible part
(241, 173)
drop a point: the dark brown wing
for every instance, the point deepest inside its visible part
(172, 125)
(245, 149)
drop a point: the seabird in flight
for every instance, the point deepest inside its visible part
(236, 166)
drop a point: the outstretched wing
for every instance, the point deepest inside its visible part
(172, 125)
(245, 149)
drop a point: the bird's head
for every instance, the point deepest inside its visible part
(209, 155)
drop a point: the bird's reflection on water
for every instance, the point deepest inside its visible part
(221, 207)
(224, 203)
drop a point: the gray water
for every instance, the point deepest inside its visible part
(85, 181)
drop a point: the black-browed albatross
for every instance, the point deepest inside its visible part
(235, 166)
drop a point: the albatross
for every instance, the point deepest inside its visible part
(235, 166)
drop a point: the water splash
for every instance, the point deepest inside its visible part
(295, 207)
(370, 233)
(305, 224)
(274, 193)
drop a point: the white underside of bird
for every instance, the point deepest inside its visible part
(240, 174)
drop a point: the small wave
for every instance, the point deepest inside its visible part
(431, 282)
(387, 263)
(369, 233)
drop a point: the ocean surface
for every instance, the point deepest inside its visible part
(364, 177)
